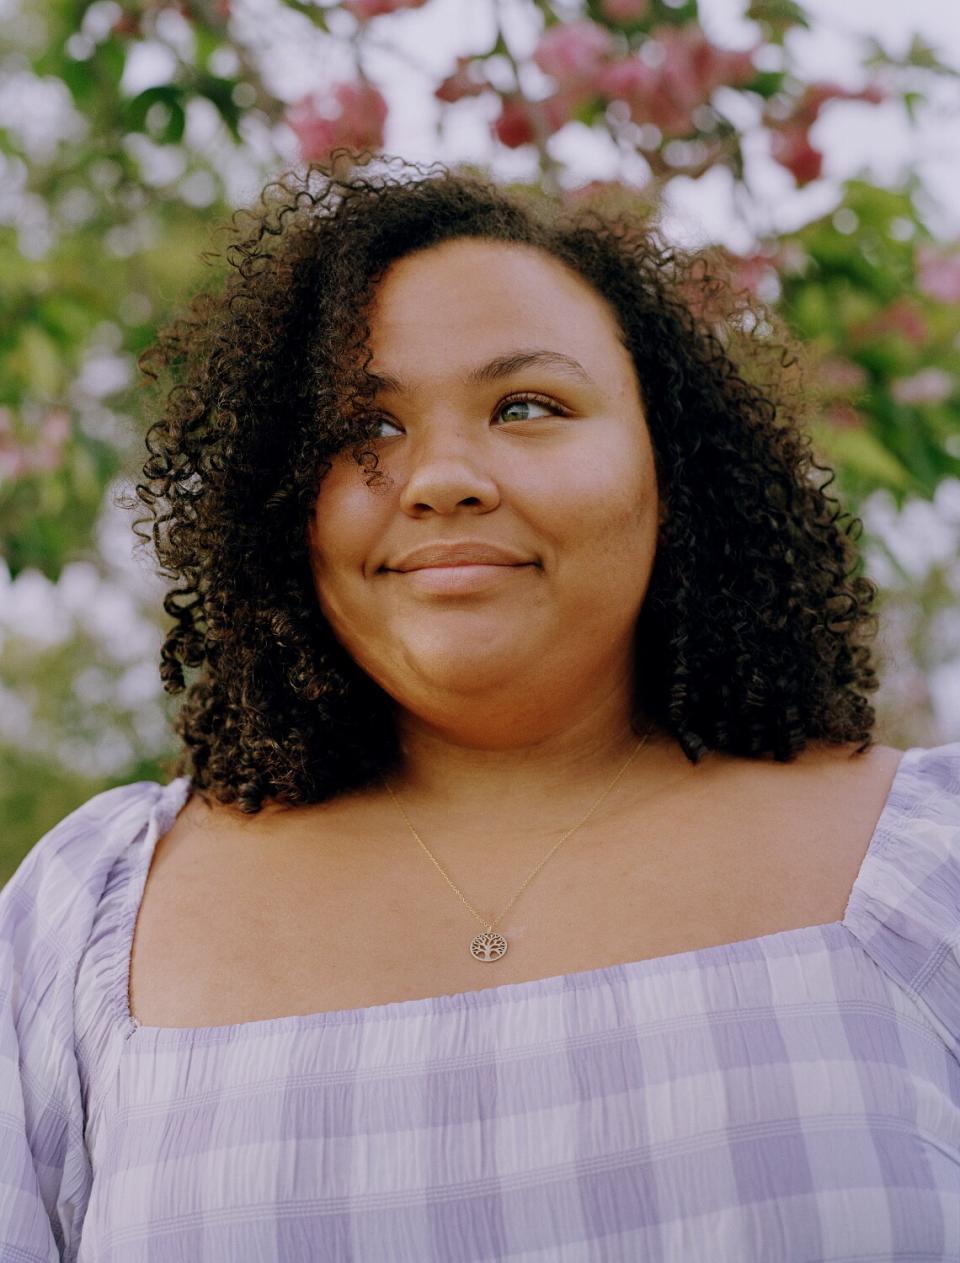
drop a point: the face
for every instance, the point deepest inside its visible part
(514, 447)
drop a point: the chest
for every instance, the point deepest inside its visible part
(240, 929)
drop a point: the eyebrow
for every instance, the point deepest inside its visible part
(503, 366)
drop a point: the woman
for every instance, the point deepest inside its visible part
(530, 885)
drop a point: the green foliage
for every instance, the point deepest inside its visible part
(846, 296)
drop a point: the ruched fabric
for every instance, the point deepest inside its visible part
(789, 1098)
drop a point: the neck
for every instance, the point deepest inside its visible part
(532, 787)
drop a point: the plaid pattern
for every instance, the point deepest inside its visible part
(791, 1097)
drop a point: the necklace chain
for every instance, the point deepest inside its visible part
(459, 893)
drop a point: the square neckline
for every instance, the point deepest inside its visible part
(173, 797)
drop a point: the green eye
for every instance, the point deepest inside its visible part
(526, 401)
(377, 422)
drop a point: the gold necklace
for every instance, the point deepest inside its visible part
(488, 945)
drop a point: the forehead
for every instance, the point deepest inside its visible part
(479, 296)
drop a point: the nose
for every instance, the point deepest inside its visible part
(445, 473)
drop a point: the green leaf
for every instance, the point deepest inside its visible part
(68, 320)
(911, 100)
(766, 83)
(863, 453)
(38, 359)
(110, 59)
(136, 110)
(82, 81)
(220, 92)
(588, 112)
(778, 16)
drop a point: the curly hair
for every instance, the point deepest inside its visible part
(751, 638)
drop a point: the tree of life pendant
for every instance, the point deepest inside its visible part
(488, 946)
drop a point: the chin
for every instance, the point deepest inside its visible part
(462, 666)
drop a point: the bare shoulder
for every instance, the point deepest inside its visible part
(871, 769)
(822, 781)
(817, 816)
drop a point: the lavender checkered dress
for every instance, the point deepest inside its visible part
(786, 1098)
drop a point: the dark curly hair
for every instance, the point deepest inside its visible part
(751, 636)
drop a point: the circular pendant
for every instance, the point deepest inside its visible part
(488, 946)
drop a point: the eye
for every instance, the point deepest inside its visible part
(526, 401)
(378, 422)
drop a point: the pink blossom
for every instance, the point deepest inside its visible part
(930, 385)
(644, 90)
(630, 80)
(354, 118)
(625, 10)
(842, 416)
(842, 376)
(515, 125)
(17, 459)
(732, 66)
(364, 10)
(816, 95)
(573, 52)
(903, 317)
(693, 67)
(13, 462)
(790, 146)
(751, 272)
(667, 95)
(55, 428)
(465, 81)
(938, 274)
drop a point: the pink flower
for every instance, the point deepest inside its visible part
(625, 10)
(630, 80)
(515, 125)
(844, 417)
(573, 52)
(17, 459)
(667, 95)
(790, 146)
(790, 140)
(354, 118)
(842, 376)
(465, 81)
(751, 272)
(364, 10)
(816, 96)
(930, 385)
(646, 93)
(55, 428)
(938, 274)
(904, 318)
(693, 67)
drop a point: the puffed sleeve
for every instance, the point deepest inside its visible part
(46, 911)
(906, 909)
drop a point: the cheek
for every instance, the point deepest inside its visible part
(610, 506)
(344, 524)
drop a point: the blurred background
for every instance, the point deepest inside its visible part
(816, 144)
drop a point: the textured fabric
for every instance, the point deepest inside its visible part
(785, 1098)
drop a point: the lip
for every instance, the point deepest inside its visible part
(463, 578)
(462, 553)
